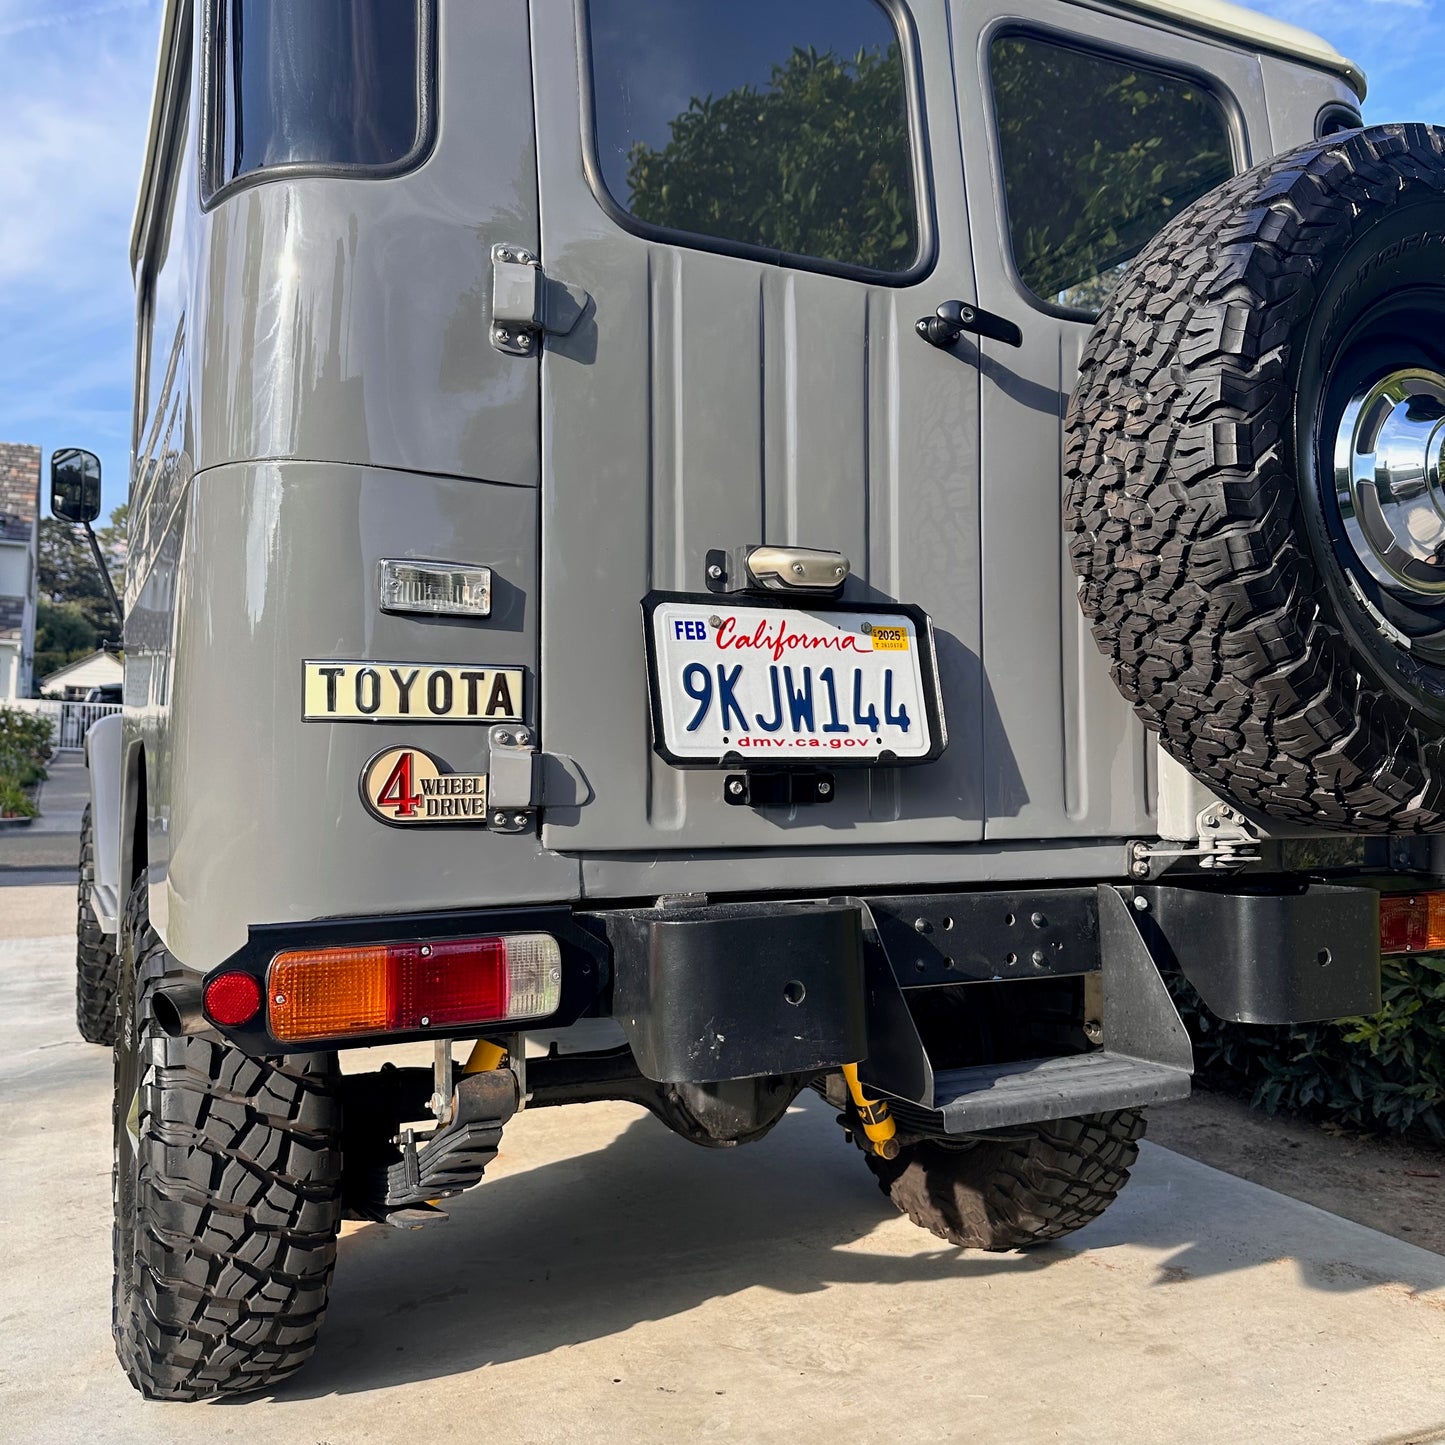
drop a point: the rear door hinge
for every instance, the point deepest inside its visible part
(513, 784)
(522, 781)
(1226, 840)
(527, 304)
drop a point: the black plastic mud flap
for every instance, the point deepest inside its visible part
(1272, 956)
(455, 1156)
(736, 991)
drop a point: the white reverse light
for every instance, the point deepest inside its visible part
(436, 588)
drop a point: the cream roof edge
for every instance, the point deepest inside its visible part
(1238, 23)
(1217, 17)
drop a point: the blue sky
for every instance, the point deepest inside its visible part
(75, 84)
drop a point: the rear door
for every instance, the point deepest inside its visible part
(760, 199)
(1084, 132)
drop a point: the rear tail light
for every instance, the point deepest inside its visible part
(1412, 922)
(392, 988)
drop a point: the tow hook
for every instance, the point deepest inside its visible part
(873, 1114)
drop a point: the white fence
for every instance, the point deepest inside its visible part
(68, 720)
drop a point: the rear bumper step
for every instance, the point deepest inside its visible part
(994, 1096)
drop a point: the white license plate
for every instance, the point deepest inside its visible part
(740, 682)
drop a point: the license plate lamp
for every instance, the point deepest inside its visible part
(395, 988)
(765, 569)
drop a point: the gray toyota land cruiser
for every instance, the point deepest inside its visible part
(629, 499)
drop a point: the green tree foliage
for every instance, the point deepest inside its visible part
(1098, 156)
(63, 633)
(24, 748)
(67, 571)
(114, 540)
(814, 164)
(69, 578)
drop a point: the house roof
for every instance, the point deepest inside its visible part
(89, 660)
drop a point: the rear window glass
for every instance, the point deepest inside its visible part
(769, 125)
(323, 83)
(1098, 155)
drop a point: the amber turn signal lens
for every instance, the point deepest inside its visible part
(1412, 922)
(395, 988)
(232, 999)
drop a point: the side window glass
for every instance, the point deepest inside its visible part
(324, 83)
(1098, 155)
(777, 126)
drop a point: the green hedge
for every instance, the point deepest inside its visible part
(24, 748)
(1383, 1074)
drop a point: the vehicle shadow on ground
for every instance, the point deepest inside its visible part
(649, 1227)
(645, 1228)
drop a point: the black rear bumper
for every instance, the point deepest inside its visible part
(708, 992)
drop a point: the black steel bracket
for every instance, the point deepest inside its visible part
(779, 788)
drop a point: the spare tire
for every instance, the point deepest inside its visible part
(1255, 468)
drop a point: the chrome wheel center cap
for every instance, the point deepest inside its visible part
(1390, 481)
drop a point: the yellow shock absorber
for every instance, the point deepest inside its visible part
(484, 1057)
(877, 1122)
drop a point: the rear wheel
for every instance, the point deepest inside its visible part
(96, 967)
(227, 1191)
(1015, 1189)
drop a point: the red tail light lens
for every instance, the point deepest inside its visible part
(393, 988)
(232, 999)
(1412, 922)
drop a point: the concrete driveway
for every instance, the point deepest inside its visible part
(609, 1282)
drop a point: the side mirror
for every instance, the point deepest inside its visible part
(75, 485)
(75, 497)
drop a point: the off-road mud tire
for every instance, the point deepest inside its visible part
(1198, 486)
(227, 1211)
(97, 968)
(1016, 1189)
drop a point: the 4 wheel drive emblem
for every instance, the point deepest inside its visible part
(407, 785)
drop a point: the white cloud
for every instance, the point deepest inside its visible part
(18, 16)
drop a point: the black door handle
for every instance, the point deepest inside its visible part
(956, 317)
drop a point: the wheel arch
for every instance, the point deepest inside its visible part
(134, 818)
(103, 760)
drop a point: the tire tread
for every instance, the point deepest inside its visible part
(1015, 1190)
(97, 968)
(1181, 498)
(237, 1208)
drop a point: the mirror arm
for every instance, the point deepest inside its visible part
(105, 573)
